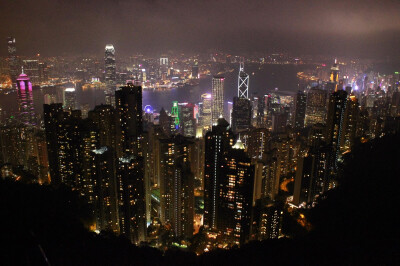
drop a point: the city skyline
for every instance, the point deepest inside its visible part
(223, 132)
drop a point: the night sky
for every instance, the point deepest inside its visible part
(71, 27)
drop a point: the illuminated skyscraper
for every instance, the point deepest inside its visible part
(206, 111)
(25, 100)
(195, 70)
(334, 122)
(217, 98)
(12, 58)
(218, 144)
(110, 73)
(243, 82)
(177, 184)
(129, 109)
(316, 107)
(105, 190)
(31, 67)
(300, 109)
(241, 109)
(349, 128)
(241, 114)
(333, 83)
(69, 99)
(131, 197)
(188, 121)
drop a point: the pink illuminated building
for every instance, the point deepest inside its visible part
(25, 100)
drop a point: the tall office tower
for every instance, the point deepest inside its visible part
(25, 100)
(129, 110)
(333, 83)
(163, 71)
(349, 128)
(177, 185)
(241, 114)
(279, 122)
(241, 109)
(256, 141)
(131, 198)
(316, 107)
(218, 143)
(261, 112)
(110, 74)
(300, 109)
(175, 115)
(188, 121)
(165, 122)
(12, 58)
(243, 82)
(206, 111)
(53, 117)
(269, 220)
(69, 99)
(217, 99)
(316, 136)
(105, 119)
(42, 157)
(236, 196)
(334, 121)
(195, 70)
(13, 144)
(105, 190)
(43, 72)
(312, 176)
(31, 67)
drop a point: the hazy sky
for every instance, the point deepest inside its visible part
(341, 27)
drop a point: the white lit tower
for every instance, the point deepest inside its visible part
(110, 74)
(241, 109)
(243, 81)
(217, 98)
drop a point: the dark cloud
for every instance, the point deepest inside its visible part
(361, 27)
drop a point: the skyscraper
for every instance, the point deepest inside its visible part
(25, 100)
(316, 107)
(177, 184)
(217, 98)
(129, 109)
(69, 99)
(188, 121)
(218, 144)
(300, 109)
(53, 117)
(334, 78)
(110, 73)
(349, 127)
(131, 197)
(206, 111)
(241, 114)
(31, 67)
(334, 121)
(105, 189)
(241, 109)
(243, 82)
(12, 58)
